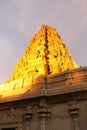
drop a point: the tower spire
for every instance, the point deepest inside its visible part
(46, 54)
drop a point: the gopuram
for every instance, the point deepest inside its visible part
(47, 89)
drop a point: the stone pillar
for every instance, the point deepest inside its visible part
(76, 123)
(74, 112)
(42, 118)
(27, 125)
(27, 118)
(19, 128)
(48, 121)
(44, 114)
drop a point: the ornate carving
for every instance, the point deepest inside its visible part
(10, 116)
(28, 113)
(44, 114)
(44, 109)
(74, 112)
(73, 108)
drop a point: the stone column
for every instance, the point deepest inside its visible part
(76, 123)
(27, 125)
(44, 114)
(48, 121)
(27, 118)
(19, 128)
(74, 112)
(43, 121)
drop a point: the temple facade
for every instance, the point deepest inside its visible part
(47, 89)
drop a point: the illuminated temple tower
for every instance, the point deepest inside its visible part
(46, 54)
(47, 90)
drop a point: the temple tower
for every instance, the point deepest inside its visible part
(46, 54)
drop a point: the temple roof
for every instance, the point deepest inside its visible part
(46, 54)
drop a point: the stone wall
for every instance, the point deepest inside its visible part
(46, 113)
(55, 102)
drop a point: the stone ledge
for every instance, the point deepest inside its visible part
(56, 84)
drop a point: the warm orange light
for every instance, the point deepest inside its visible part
(46, 54)
(15, 87)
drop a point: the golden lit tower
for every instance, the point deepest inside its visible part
(46, 54)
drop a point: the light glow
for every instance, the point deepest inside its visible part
(46, 54)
